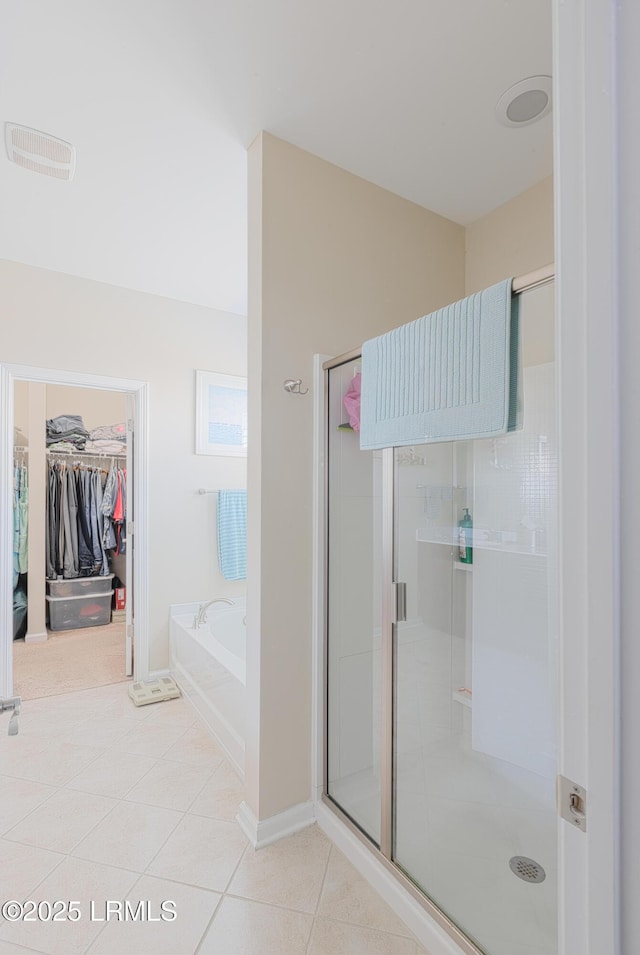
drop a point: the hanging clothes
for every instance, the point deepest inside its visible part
(20, 542)
(71, 564)
(75, 544)
(20, 520)
(114, 510)
(53, 521)
(108, 505)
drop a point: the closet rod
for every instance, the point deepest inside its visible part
(523, 283)
(84, 454)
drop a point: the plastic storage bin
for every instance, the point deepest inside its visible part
(80, 586)
(73, 613)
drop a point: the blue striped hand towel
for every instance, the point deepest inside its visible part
(452, 375)
(232, 534)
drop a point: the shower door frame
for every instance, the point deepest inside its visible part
(383, 854)
(573, 847)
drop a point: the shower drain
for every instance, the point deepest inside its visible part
(527, 869)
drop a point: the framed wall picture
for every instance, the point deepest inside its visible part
(221, 414)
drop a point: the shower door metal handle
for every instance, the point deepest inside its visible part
(400, 600)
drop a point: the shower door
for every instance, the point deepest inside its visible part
(442, 653)
(475, 668)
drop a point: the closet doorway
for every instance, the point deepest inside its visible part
(69, 564)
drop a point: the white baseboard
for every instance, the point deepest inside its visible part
(415, 917)
(36, 637)
(155, 675)
(265, 831)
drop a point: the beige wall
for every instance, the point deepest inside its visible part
(333, 260)
(53, 320)
(515, 238)
(96, 407)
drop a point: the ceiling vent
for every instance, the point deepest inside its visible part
(40, 152)
(526, 102)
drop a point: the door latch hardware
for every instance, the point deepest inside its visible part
(572, 803)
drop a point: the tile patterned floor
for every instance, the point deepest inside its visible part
(101, 800)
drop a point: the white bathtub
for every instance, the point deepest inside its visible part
(209, 665)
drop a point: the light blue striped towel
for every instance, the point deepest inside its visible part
(452, 375)
(232, 534)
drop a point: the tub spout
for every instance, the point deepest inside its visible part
(201, 616)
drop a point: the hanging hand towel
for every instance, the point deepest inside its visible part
(232, 534)
(452, 375)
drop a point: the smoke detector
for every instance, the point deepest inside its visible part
(525, 102)
(40, 152)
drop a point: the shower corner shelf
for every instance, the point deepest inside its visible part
(345, 427)
(464, 697)
(459, 565)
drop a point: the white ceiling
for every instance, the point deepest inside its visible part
(162, 97)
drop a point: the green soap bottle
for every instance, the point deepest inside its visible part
(465, 534)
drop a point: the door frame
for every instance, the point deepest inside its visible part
(139, 393)
(587, 319)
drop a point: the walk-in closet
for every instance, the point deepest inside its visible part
(70, 556)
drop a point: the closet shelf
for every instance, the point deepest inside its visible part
(85, 454)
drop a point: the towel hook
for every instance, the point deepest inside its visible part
(293, 386)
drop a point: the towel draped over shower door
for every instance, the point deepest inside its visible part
(451, 375)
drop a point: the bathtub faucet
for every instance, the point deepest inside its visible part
(201, 616)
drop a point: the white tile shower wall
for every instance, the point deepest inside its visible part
(511, 591)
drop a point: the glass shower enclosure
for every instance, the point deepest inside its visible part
(441, 656)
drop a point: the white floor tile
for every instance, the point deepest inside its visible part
(338, 938)
(150, 739)
(114, 701)
(103, 731)
(18, 798)
(251, 928)
(173, 713)
(23, 868)
(130, 836)
(193, 907)
(201, 852)
(62, 821)
(196, 746)
(347, 897)
(49, 761)
(170, 785)
(74, 880)
(221, 796)
(8, 948)
(287, 873)
(113, 773)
